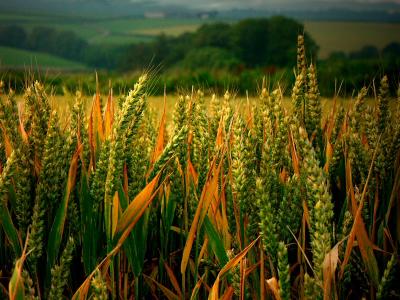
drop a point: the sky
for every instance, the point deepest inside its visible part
(242, 4)
(271, 3)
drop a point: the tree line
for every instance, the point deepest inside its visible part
(249, 43)
(61, 43)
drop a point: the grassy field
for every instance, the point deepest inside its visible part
(156, 103)
(111, 31)
(330, 36)
(173, 30)
(351, 36)
(11, 57)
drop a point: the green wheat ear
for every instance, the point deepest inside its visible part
(49, 187)
(98, 287)
(283, 272)
(300, 87)
(169, 151)
(28, 285)
(359, 108)
(383, 111)
(124, 129)
(138, 162)
(23, 187)
(319, 204)
(313, 107)
(338, 125)
(301, 55)
(9, 119)
(201, 142)
(387, 278)
(297, 96)
(61, 272)
(7, 175)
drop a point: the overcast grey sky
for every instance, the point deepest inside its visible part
(274, 4)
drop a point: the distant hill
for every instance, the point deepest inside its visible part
(303, 10)
(17, 58)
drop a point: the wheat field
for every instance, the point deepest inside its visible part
(130, 198)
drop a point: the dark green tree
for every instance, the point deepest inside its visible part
(210, 58)
(282, 48)
(251, 41)
(13, 36)
(214, 35)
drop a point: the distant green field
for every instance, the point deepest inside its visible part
(351, 36)
(173, 30)
(110, 31)
(330, 36)
(11, 57)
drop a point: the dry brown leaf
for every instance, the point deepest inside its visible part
(329, 269)
(273, 285)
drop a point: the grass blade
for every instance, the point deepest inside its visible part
(173, 279)
(202, 208)
(229, 266)
(358, 230)
(124, 228)
(216, 243)
(16, 289)
(9, 229)
(159, 146)
(167, 292)
(90, 234)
